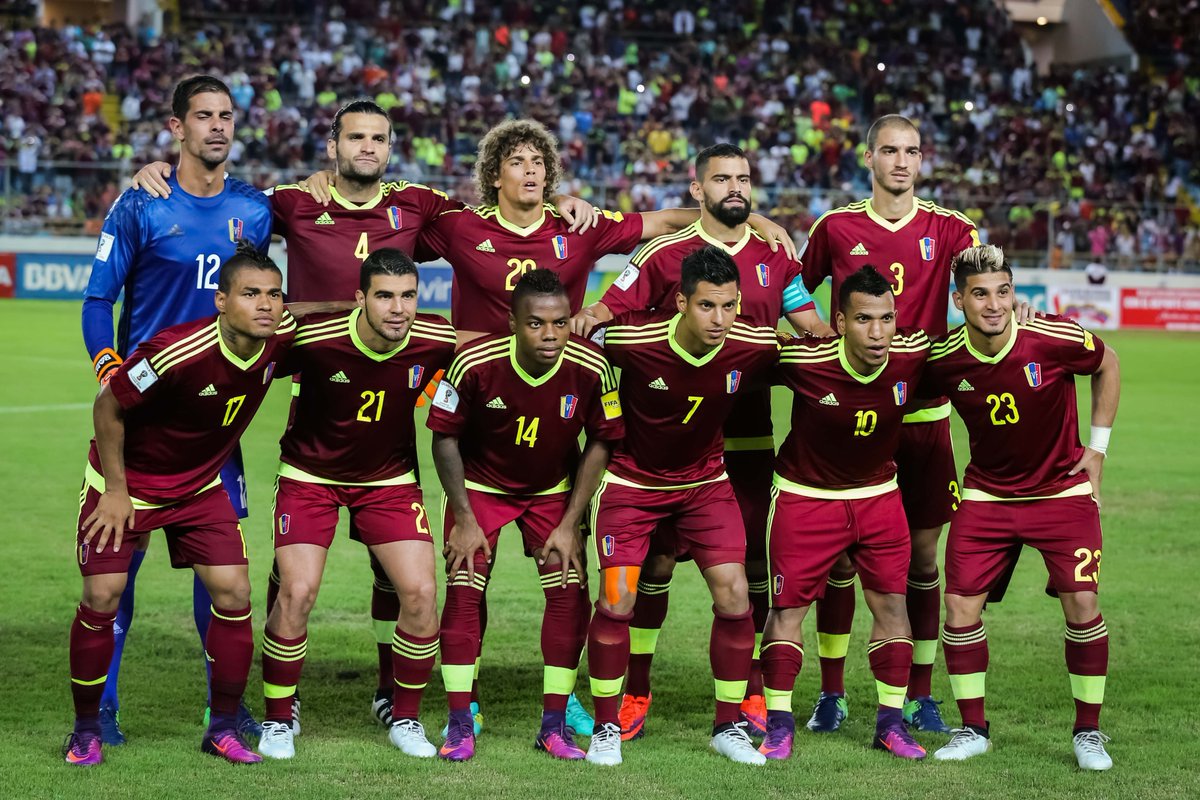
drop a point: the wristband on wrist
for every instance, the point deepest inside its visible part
(1099, 440)
(105, 364)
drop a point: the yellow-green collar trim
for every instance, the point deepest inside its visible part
(996, 359)
(733, 249)
(525, 376)
(887, 224)
(344, 203)
(517, 229)
(367, 351)
(231, 356)
(851, 371)
(684, 354)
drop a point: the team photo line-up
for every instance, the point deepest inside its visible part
(666, 380)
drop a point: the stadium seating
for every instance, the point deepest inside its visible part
(1040, 161)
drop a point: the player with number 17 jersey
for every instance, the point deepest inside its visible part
(489, 255)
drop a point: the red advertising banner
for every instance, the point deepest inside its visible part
(1163, 309)
(8, 274)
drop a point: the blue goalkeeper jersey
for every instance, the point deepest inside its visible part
(166, 255)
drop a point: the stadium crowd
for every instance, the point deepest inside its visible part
(1096, 161)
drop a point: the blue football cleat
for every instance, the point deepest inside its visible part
(922, 714)
(578, 719)
(110, 726)
(829, 713)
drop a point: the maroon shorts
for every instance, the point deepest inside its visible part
(983, 535)
(926, 473)
(536, 516)
(750, 473)
(705, 520)
(200, 530)
(808, 535)
(307, 513)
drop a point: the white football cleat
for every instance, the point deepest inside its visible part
(734, 743)
(606, 745)
(964, 743)
(276, 741)
(409, 737)
(1090, 752)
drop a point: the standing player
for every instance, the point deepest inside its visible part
(326, 246)
(1029, 482)
(682, 373)
(835, 492)
(916, 239)
(166, 422)
(165, 257)
(771, 287)
(351, 444)
(506, 422)
(516, 230)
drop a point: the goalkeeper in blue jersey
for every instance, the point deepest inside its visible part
(165, 256)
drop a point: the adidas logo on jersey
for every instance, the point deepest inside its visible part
(829, 400)
(497, 403)
(339, 377)
(325, 219)
(965, 386)
(485, 246)
(175, 231)
(208, 391)
(859, 250)
(658, 383)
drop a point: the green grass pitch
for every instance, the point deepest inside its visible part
(1149, 563)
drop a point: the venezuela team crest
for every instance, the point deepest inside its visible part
(926, 245)
(235, 229)
(763, 273)
(900, 392)
(733, 380)
(415, 373)
(1033, 374)
(394, 218)
(567, 405)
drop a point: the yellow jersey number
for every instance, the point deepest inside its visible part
(897, 270)
(232, 406)
(1005, 403)
(695, 401)
(371, 399)
(1086, 557)
(517, 268)
(865, 421)
(527, 432)
(362, 250)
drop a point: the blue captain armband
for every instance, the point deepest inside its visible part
(795, 296)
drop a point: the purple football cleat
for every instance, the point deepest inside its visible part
(228, 745)
(557, 743)
(82, 749)
(781, 730)
(899, 742)
(460, 737)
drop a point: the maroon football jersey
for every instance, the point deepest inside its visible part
(652, 279)
(676, 404)
(489, 255)
(353, 420)
(913, 253)
(845, 426)
(1019, 405)
(187, 400)
(327, 244)
(519, 434)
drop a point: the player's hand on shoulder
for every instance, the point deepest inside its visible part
(577, 212)
(1025, 312)
(775, 235)
(1091, 462)
(583, 323)
(113, 513)
(152, 179)
(318, 185)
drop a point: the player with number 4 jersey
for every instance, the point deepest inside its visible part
(1029, 482)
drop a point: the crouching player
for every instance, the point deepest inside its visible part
(683, 371)
(506, 422)
(836, 491)
(352, 444)
(165, 425)
(1029, 482)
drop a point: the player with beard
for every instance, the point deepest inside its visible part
(771, 287)
(165, 257)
